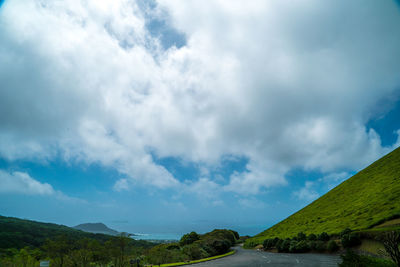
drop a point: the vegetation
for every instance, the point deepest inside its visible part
(18, 233)
(65, 252)
(367, 199)
(351, 259)
(24, 243)
(391, 242)
(193, 247)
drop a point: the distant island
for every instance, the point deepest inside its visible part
(96, 228)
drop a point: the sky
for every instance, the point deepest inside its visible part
(172, 116)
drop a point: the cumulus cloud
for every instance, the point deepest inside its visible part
(307, 193)
(282, 84)
(22, 183)
(121, 185)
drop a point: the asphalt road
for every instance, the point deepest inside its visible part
(254, 258)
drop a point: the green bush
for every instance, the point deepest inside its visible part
(350, 240)
(312, 245)
(351, 259)
(332, 246)
(194, 251)
(320, 246)
(345, 232)
(189, 238)
(301, 236)
(323, 236)
(312, 237)
(284, 246)
(268, 243)
(235, 234)
(299, 246)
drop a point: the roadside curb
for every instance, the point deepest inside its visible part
(195, 261)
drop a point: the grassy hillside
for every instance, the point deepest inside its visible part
(18, 233)
(96, 228)
(368, 198)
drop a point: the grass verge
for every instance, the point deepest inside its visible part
(195, 261)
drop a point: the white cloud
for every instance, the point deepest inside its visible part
(307, 193)
(333, 179)
(121, 185)
(22, 183)
(282, 84)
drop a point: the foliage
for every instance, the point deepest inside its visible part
(301, 236)
(332, 246)
(299, 246)
(18, 233)
(351, 259)
(323, 236)
(391, 242)
(320, 246)
(369, 197)
(270, 243)
(312, 237)
(189, 238)
(284, 246)
(193, 247)
(350, 240)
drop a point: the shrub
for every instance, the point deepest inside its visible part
(278, 244)
(312, 245)
(268, 243)
(323, 236)
(350, 240)
(312, 237)
(345, 232)
(189, 238)
(320, 246)
(351, 259)
(301, 236)
(299, 246)
(332, 246)
(293, 246)
(235, 234)
(285, 245)
(194, 251)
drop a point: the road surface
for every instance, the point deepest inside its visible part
(254, 258)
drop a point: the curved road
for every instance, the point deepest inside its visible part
(254, 258)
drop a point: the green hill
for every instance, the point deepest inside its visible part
(18, 233)
(370, 197)
(96, 228)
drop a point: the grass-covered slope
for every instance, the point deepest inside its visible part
(366, 199)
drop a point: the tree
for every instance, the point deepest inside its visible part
(312, 237)
(323, 236)
(189, 238)
(194, 251)
(119, 248)
(301, 236)
(57, 249)
(391, 242)
(350, 240)
(332, 246)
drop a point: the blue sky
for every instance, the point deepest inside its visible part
(167, 117)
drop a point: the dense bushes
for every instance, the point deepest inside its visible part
(332, 246)
(350, 240)
(351, 259)
(189, 238)
(302, 243)
(63, 251)
(193, 246)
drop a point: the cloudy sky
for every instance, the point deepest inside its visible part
(171, 116)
